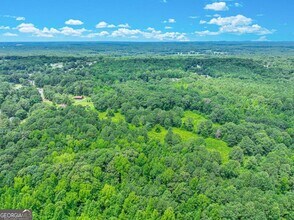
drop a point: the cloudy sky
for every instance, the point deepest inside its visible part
(146, 20)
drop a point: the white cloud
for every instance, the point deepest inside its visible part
(159, 35)
(17, 18)
(202, 22)
(103, 33)
(238, 24)
(68, 31)
(104, 24)
(124, 25)
(262, 38)
(247, 29)
(171, 36)
(100, 34)
(238, 5)
(4, 27)
(74, 22)
(168, 27)
(193, 17)
(8, 34)
(20, 18)
(232, 20)
(123, 32)
(207, 33)
(217, 6)
(150, 34)
(50, 31)
(150, 29)
(29, 28)
(111, 26)
(170, 20)
(101, 24)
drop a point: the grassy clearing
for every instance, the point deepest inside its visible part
(211, 143)
(86, 102)
(48, 102)
(185, 135)
(116, 118)
(158, 135)
(219, 146)
(196, 118)
(17, 86)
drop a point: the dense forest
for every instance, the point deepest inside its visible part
(148, 48)
(148, 137)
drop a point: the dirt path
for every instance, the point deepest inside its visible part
(41, 91)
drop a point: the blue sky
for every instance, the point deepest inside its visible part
(146, 20)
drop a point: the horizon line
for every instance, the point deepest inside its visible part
(215, 41)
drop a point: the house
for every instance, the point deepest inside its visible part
(79, 97)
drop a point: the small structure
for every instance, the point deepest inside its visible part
(79, 97)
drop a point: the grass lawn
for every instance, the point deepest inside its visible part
(211, 143)
(84, 102)
(185, 135)
(48, 102)
(116, 118)
(219, 146)
(17, 86)
(158, 136)
(197, 118)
